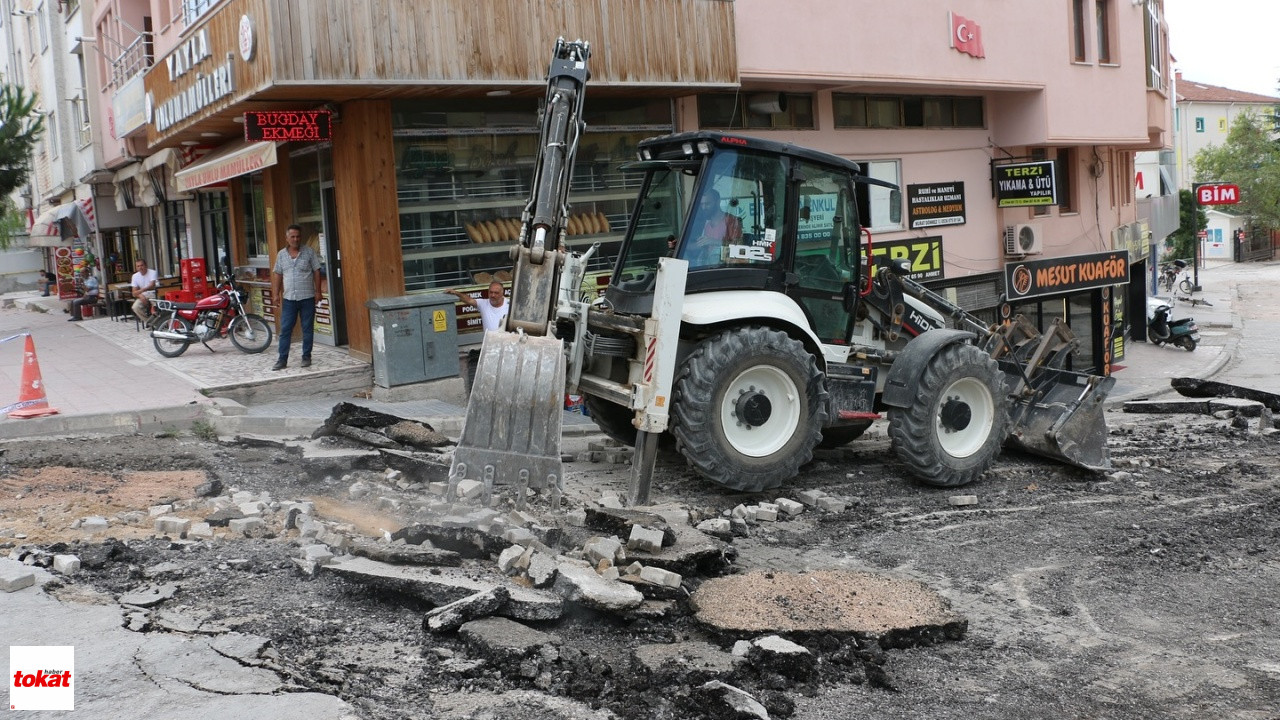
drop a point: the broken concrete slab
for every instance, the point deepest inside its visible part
(683, 662)
(15, 577)
(1197, 388)
(619, 522)
(452, 616)
(692, 553)
(150, 596)
(464, 540)
(584, 586)
(441, 586)
(403, 554)
(724, 700)
(782, 656)
(826, 601)
(505, 640)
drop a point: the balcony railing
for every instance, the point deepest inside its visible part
(134, 58)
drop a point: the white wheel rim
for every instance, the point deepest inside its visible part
(784, 414)
(966, 441)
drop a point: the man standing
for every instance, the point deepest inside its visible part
(493, 312)
(295, 283)
(144, 289)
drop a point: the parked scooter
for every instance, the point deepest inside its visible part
(1182, 332)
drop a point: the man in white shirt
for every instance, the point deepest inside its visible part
(144, 283)
(493, 312)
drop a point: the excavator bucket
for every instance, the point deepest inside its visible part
(1059, 415)
(512, 431)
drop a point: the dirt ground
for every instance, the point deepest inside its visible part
(1149, 592)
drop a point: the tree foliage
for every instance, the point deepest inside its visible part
(1249, 158)
(20, 128)
(1182, 242)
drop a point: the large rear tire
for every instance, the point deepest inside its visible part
(834, 437)
(748, 408)
(614, 420)
(172, 348)
(958, 421)
(250, 333)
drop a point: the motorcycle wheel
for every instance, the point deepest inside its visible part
(1154, 338)
(172, 348)
(250, 333)
(1186, 343)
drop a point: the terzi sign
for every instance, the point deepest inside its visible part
(924, 253)
(1023, 184)
(1055, 276)
(287, 125)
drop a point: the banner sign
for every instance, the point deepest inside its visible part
(1023, 184)
(1055, 276)
(925, 254)
(936, 204)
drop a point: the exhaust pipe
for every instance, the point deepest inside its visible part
(168, 335)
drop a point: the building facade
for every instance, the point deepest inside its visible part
(401, 135)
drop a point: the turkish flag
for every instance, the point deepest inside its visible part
(966, 36)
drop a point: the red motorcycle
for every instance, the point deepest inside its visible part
(222, 314)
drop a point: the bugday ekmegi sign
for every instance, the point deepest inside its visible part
(935, 204)
(1023, 184)
(1055, 276)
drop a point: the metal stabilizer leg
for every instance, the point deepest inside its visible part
(642, 462)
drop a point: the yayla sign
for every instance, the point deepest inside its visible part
(41, 677)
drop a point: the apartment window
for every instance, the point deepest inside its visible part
(889, 111)
(1155, 46)
(733, 111)
(1222, 124)
(1040, 155)
(1102, 18)
(1199, 124)
(1066, 180)
(42, 27)
(193, 9)
(51, 131)
(1077, 30)
(880, 208)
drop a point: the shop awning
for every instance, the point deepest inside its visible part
(47, 224)
(229, 161)
(134, 188)
(163, 168)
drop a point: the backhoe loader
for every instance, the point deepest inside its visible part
(783, 337)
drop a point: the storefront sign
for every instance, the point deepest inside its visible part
(1022, 184)
(925, 254)
(933, 205)
(226, 164)
(204, 90)
(1056, 276)
(129, 106)
(287, 125)
(1218, 194)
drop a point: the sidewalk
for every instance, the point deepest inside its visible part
(105, 377)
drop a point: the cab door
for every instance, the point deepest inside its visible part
(826, 251)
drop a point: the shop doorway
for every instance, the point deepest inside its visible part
(215, 232)
(331, 256)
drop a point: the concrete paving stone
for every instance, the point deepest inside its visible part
(14, 578)
(93, 524)
(158, 510)
(244, 526)
(831, 504)
(582, 585)
(810, 497)
(658, 576)
(646, 539)
(200, 530)
(789, 507)
(172, 525)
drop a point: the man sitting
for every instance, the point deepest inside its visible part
(144, 283)
(90, 296)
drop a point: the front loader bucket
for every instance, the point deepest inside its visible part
(1061, 417)
(514, 413)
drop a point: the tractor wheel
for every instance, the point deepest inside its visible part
(834, 437)
(958, 421)
(748, 408)
(614, 420)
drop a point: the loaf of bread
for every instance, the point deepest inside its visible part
(472, 234)
(502, 276)
(482, 278)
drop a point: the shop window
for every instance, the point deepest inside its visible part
(886, 111)
(174, 232)
(1077, 31)
(215, 232)
(464, 172)
(739, 111)
(256, 248)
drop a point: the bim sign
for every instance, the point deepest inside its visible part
(286, 125)
(1218, 194)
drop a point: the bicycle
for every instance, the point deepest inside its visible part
(1173, 275)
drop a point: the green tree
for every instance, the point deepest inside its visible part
(20, 128)
(1251, 159)
(1182, 242)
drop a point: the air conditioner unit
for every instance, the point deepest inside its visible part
(1023, 239)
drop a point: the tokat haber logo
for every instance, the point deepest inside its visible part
(41, 677)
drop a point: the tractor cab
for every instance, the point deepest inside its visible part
(746, 214)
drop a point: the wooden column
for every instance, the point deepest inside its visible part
(364, 183)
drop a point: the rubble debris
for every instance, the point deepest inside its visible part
(506, 641)
(584, 586)
(1197, 388)
(368, 437)
(452, 616)
(377, 428)
(782, 656)
(724, 700)
(440, 586)
(684, 662)
(398, 554)
(620, 522)
(14, 577)
(149, 596)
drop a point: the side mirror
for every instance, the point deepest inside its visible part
(895, 206)
(849, 298)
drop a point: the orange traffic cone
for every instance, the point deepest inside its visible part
(31, 399)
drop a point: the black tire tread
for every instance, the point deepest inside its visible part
(261, 323)
(695, 418)
(171, 348)
(613, 420)
(912, 430)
